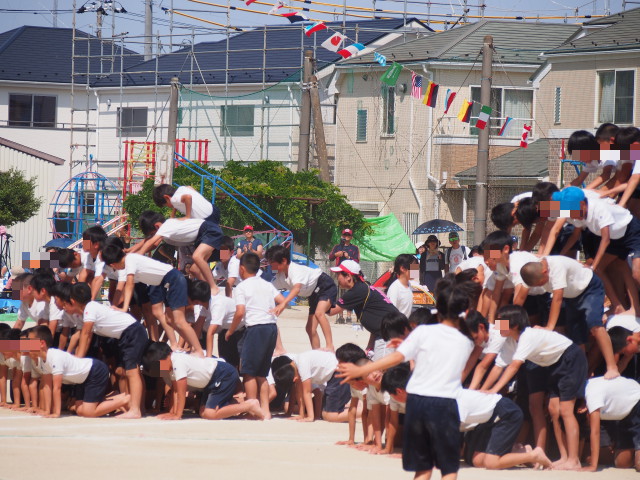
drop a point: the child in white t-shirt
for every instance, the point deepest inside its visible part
(431, 407)
(217, 380)
(204, 235)
(566, 374)
(167, 288)
(394, 382)
(311, 283)
(351, 353)
(187, 201)
(91, 377)
(131, 335)
(80, 264)
(616, 400)
(43, 285)
(400, 292)
(256, 301)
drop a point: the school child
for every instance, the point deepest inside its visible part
(564, 376)
(628, 140)
(624, 332)
(204, 235)
(394, 382)
(131, 335)
(71, 323)
(187, 201)
(80, 266)
(491, 342)
(394, 328)
(14, 364)
(431, 408)
(619, 233)
(584, 147)
(89, 375)
(166, 286)
(42, 285)
(4, 332)
(256, 299)
(351, 353)
(583, 295)
(618, 401)
(216, 379)
(377, 406)
(93, 239)
(492, 423)
(319, 393)
(400, 292)
(311, 283)
(221, 270)
(103, 272)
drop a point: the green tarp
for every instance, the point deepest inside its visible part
(387, 241)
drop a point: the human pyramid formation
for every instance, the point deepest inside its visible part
(518, 343)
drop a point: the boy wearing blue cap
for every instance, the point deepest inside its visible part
(619, 233)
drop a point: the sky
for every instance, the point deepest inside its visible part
(15, 13)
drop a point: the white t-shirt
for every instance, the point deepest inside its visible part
(629, 322)
(87, 262)
(615, 398)
(437, 368)
(401, 297)
(540, 346)
(505, 357)
(73, 320)
(517, 260)
(200, 206)
(396, 406)
(198, 371)
(475, 407)
(109, 272)
(477, 262)
(636, 168)
(602, 214)
(180, 233)
(302, 274)
(233, 269)
(40, 311)
(107, 322)
(258, 297)
(221, 311)
(495, 342)
(220, 272)
(74, 370)
(521, 196)
(144, 269)
(456, 257)
(567, 273)
(317, 365)
(376, 397)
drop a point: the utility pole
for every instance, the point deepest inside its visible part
(98, 24)
(166, 176)
(480, 222)
(318, 129)
(305, 112)
(148, 29)
(55, 13)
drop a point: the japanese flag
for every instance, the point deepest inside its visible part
(333, 42)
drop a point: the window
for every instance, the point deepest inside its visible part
(236, 120)
(132, 122)
(410, 223)
(34, 111)
(361, 127)
(616, 96)
(556, 105)
(388, 110)
(505, 102)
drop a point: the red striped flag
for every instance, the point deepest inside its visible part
(316, 27)
(431, 94)
(448, 100)
(416, 85)
(526, 131)
(294, 17)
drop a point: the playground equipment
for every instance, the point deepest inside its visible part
(84, 200)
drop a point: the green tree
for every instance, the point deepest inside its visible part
(18, 202)
(298, 200)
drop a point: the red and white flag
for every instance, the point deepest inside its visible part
(333, 42)
(249, 2)
(280, 4)
(526, 131)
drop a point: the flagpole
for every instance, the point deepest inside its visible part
(480, 220)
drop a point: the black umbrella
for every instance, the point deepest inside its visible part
(437, 226)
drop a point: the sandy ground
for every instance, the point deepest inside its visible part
(72, 447)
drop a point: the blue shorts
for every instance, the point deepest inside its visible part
(563, 237)
(209, 234)
(131, 345)
(140, 294)
(628, 431)
(221, 387)
(215, 215)
(172, 290)
(537, 377)
(629, 244)
(431, 434)
(587, 308)
(590, 243)
(568, 376)
(257, 349)
(326, 289)
(94, 388)
(336, 395)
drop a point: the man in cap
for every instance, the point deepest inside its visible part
(249, 244)
(455, 254)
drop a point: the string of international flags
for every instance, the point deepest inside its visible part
(392, 74)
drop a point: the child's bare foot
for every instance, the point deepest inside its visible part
(345, 442)
(558, 463)
(254, 409)
(541, 458)
(569, 465)
(130, 414)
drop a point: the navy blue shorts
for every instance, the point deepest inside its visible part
(257, 349)
(336, 395)
(94, 388)
(326, 289)
(222, 386)
(568, 376)
(431, 435)
(131, 345)
(629, 244)
(215, 215)
(538, 305)
(590, 243)
(209, 234)
(563, 237)
(537, 377)
(628, 431)
(229, 349)
(172, 290)
(140, 294)
(505, 422)
(587, 308)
